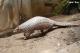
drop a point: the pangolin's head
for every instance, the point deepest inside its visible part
(16, 30)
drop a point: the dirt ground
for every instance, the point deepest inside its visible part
(62, 40)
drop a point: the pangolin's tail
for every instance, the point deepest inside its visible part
(70, 24)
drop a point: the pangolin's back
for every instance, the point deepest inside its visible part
(36, 23)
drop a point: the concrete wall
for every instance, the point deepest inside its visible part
(9, 12)
(10, 9)
(44, 7)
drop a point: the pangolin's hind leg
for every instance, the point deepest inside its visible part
(44, 31)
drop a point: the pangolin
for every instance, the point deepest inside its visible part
(39, 23)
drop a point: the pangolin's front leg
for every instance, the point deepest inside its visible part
(27, 35)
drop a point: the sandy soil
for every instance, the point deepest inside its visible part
(62, 40)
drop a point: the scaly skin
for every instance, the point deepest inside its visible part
(39, 23)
